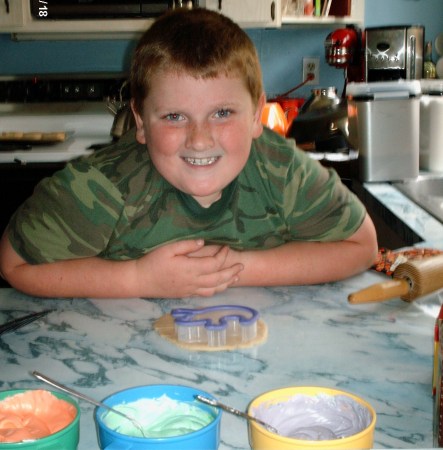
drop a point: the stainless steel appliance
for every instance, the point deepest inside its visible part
(394, 52)
(431, 130)
(344, 50)
(321, 124)
(384, 120)
(75, 105)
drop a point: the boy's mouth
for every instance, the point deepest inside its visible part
(201, 161)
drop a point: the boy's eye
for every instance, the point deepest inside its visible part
(174, 117)
(223, 113)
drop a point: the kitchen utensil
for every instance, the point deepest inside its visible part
(344, 50)
(22, 321)
(207, 437)
(322, 118)
(121, 110)
(412, 279)
(215, 325)
(236, 412)
(261, 439)
(84, 397)
(65, 439)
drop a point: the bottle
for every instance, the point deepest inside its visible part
(309, 7)
(428, 65)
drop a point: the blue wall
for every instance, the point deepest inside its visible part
(281, 51)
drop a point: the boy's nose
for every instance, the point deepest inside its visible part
(199, 137)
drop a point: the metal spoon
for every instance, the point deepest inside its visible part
(81, 396)
(229, 409)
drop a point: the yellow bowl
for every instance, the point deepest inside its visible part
(261, 439)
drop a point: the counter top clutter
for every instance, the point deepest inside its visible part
(381, 352)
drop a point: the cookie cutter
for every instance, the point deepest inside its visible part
(215, 325)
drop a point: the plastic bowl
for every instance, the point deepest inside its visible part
(65, 439)
(207, 438)
(261, 439)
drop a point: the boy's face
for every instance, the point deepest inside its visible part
(199, 131)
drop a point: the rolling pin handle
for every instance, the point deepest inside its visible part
(381, 291)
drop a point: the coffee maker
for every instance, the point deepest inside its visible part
(393, 53)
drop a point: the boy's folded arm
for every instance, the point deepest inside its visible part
(168, 271)
(70, 278)
(174, 271)
(304, 262)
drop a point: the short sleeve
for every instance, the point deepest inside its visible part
(323, 208)
(70, 215)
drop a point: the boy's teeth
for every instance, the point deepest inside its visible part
(201, 161)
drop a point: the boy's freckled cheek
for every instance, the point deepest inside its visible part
(164, 141)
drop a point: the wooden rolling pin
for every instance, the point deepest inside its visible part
(412, 279)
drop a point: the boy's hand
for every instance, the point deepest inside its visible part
(186, 268)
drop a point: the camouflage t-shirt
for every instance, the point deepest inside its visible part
(115, 205)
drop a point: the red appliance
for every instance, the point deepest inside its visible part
(344, 49)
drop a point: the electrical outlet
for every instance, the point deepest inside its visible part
(311, 66)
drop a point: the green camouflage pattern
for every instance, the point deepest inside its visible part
(115, 205)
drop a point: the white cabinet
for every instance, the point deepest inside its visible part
(11, 15)
(249, 13)
(20, 23)
(16, 18)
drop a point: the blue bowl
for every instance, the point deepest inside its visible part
(207, 438)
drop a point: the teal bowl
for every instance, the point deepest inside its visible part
(65, 439)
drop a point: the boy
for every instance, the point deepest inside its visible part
(199, 198)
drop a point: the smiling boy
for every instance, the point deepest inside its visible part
(198, 198)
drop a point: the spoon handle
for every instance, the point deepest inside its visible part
(64, 388)
(237, 412)
(226, 408)
(81, 396)
(77, 394)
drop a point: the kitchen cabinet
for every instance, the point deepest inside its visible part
(11, 15)
(16, 18)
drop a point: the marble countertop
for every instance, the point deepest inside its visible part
(422, 223)
(382, 352)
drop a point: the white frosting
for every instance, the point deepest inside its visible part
(315, 418)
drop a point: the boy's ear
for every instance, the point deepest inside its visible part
(140, 131)
(258, 126)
